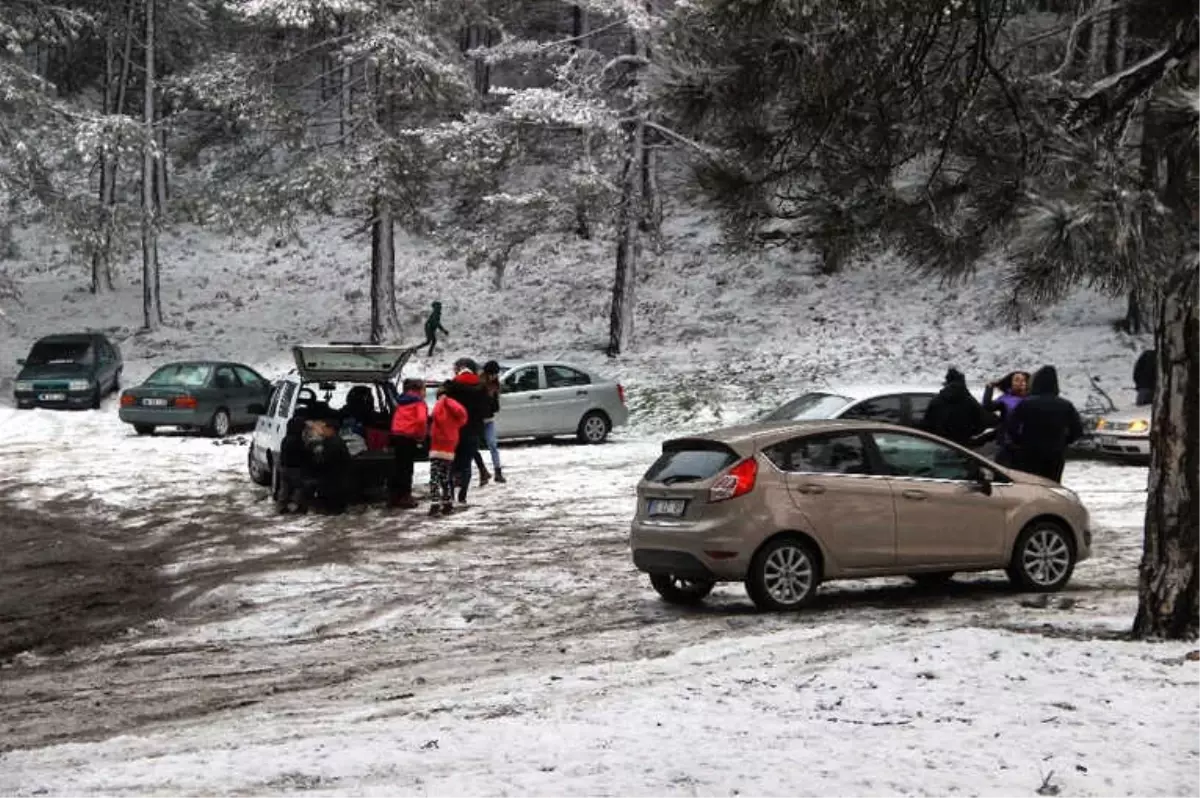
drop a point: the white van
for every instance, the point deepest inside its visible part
(323, 375)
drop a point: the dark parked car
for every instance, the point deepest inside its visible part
(72, 370)
(211, 396)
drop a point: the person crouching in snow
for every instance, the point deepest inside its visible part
(294, 481)
(410, 423)
(448, 419)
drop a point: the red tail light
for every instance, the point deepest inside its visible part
(621, 392)
(186, 401)
(738, 482)
(126, 400)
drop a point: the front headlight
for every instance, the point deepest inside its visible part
(79, 385)
(1102, 423)
(1067, 494)
(1141, 425)
(22, 386)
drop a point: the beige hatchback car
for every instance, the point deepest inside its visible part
(784, 506)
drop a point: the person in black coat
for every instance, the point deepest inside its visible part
(954, 414)
(294, 479)
(467, 390)
(1145, 376)
(330, 466)
(1044, 425)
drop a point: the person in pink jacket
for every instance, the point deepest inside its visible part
(448, 419)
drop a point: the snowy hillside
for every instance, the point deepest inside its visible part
(716, 331)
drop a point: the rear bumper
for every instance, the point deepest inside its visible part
(163, 417)
(684, 549)
(71, 399)
(618, 415)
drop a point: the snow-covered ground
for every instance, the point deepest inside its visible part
(168, 634)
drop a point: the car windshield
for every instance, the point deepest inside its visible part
(45, 353)
(808, 406)
(185, 375)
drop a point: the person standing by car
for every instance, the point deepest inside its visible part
(448, 419)
(491, 389)
(410, 423)
(1044, 425)
(331, 466)
(1145, 376)
(294, 481)
(1014, 388)
(433, 325)
(467, 390)
(954, 414)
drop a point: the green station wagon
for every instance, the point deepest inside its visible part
(212, 396)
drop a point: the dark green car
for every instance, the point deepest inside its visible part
(72, 370)
(212, 396)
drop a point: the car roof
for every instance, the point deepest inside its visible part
(69, 338)
(779, 430)
(867, 390)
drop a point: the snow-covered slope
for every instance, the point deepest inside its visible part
(717, 332)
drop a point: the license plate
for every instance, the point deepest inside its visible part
(154, 402)
(671, 507)
(1109, 440)
(52, 397)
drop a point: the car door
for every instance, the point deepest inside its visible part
(520, 403)
(256, 389)
(942, 515)
(888, 409)
(106, 365)
(851, 509)
(228, 393)
(566, 398)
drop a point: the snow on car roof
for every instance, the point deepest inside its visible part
(867, 390)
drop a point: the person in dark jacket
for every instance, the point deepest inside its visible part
(467, 390)
(433, 325)
(294, 485)
(1145, 376)
(954, 414)
(1044, 425)
(1014, 388)
(330, 466)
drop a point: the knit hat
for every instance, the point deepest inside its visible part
(954, 375)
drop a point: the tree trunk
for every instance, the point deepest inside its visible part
(1169, 577)
(161, 188)
(1098, 40)
(652, 209)
(100, 259)
(580, 27)
(1133, 313)
(346, 102)
(151, 305)
(629, 222)
(384, 321)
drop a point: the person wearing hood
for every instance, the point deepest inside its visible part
(954, 414)
(1145, 377)
(467, 389)
(1044, 425)
(1014, 388)
(410, 426)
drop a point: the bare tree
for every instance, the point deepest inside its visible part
(151, 300)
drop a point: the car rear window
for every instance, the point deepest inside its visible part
(690, 461)
(808, 406)
(184, 375)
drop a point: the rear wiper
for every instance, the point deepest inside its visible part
(671, 480)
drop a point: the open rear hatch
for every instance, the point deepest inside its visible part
(350, 362)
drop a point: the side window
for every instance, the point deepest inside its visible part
(248, 377)
(564, 377)
(525, 379)
(285, 393)
(889, 409)
(909, 456)
(273, 402)
(919, 403)
(103, 353)
(821, 454)
(225, 378)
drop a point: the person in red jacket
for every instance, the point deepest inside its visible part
(448, 419)
(410, 424)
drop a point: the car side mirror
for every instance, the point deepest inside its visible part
(257, 409)
(984, 479)
(20, 361)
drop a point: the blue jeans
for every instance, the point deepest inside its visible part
(489, 437)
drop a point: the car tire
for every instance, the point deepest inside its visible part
(220, 425)
(1043, 558)
(932, 579)
(96, 396)
(143, 429)
(783, 575)
(259, 475)
(593, 428)
(684, 592)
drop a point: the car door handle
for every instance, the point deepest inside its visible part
(534, 396)
(915, 495)
(813, 489)
(581, 393)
